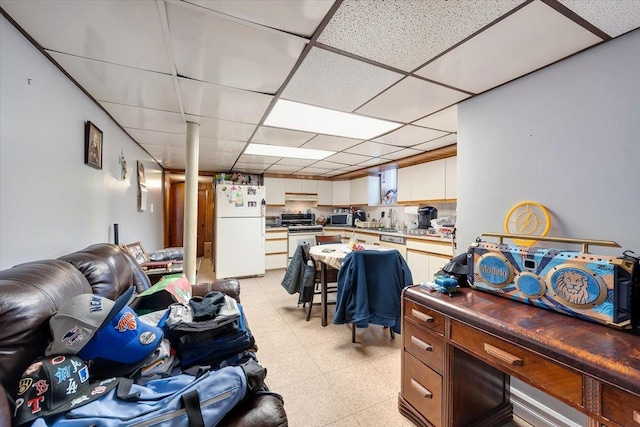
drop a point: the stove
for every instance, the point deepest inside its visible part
(296, 229)
(294, 222)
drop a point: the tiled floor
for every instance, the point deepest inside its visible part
(324, 378)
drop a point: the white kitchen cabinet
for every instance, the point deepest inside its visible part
(418, 263)
(275, 191)
(292, 185)
(365, 191)
(404, 184)
(435, 179)
(451, 178)
(341, 192)
(325, 193)
(426, 257)
(309, 186)
(275, 249)
(419, 182)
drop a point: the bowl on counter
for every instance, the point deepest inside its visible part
(321, 220)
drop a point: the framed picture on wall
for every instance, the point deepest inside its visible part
(92, 146)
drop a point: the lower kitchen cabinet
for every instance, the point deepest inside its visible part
(275, 249)
(426, 258)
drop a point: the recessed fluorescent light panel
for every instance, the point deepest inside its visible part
(309, 118)
(282, 151)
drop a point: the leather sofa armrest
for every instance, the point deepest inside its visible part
(230, 287)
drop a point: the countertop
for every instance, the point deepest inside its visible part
(429, 237)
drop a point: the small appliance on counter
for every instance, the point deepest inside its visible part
(425, 215)
(358, 215)
(345, 219)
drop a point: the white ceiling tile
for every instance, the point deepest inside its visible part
(248, 167)
(526, 40)
(283, 168)
(333, 173)
(407, 152)
(168, 157)
(446, 120)
(213, 49)
(121, 85)
(347, 159)
(295, 162)
(150, 137)
(219, 102)
(328, 165)
(276, 136)
(373, 162)
(335, 81)
(407, 33)
(125, 33)
(409, 135)
(614, 17)
(261, 160)
(411, 99)
(220, 148)
(144, 118)
(331, 143)
(312, 171)
(373, 149)
(223, 129)
(350, 168)
(438, 143)
(298, 17)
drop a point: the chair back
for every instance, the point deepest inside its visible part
(325, 240)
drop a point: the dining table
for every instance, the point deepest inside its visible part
(333, 255)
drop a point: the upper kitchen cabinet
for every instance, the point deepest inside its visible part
(428, 182)
(309, 186)
(275, 189)
(292, 185)
(325, 193)
(365, 191)
(451, 178)
(341, 193)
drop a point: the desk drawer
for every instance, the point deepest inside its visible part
(424, 316)
(424, 345)
(422, 388)
(620, 407)
(523, 364)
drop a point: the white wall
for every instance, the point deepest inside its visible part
(51, 203)
(568, 137)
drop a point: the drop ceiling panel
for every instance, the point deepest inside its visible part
(312, 171)
(373, 149)
(446, 120)
(409, 135)
(406, 34)
(150, 137)
(214, 148)
(411, 99)
(613, 17)
(528, 39)
(298, 17)
(206, 165)
(145, 118)
(121, 85)
(407, 152)
(373, 162)
(243, 166)
(278, 168)
(328, 165)
(125, 33)
(437, 143)
(339, 82)
(219, 102)
(296, 162)
(168, 157)
(276, 136)
(347, 158)
(331, 143)
(261, 160)
(213, 49)
(223, 129)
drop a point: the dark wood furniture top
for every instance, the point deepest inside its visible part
(591, 367)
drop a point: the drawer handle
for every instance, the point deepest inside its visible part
(503, 355)
(423, 345)
(420, 315)
(421, 389)
(636, 416)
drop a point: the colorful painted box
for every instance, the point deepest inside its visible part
(601, 289)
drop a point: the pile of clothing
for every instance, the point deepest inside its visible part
(108, 366)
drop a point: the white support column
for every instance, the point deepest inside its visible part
(190, 239)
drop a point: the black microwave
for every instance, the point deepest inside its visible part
(340, 219)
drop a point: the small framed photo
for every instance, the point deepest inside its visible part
(137, 252)
(92, 146)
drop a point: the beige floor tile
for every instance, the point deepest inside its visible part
(349, 421)
(361, 386)
(389, 366)
(312, 403)
(384, 414)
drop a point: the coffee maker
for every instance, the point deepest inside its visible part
(358, 214)
(425, 215)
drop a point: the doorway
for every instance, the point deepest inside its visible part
(204, 228)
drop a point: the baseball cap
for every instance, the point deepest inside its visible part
(121, 345)
(54, 385)
(75, 323)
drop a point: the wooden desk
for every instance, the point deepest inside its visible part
(459, 354)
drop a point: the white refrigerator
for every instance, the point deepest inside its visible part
(240, 235)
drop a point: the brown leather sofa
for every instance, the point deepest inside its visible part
(31, 293)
